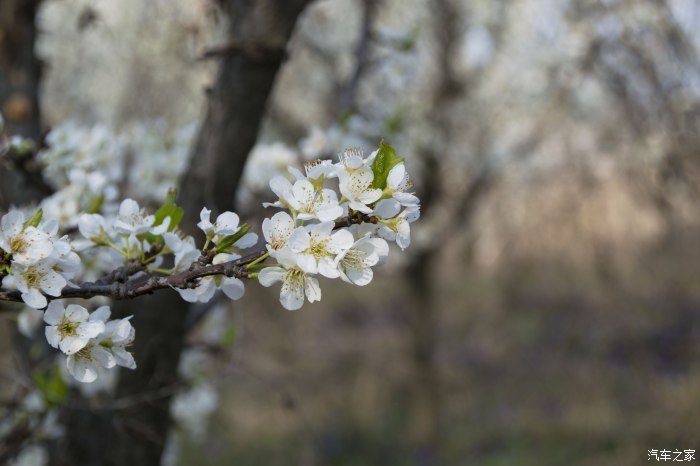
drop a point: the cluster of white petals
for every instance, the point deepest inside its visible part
(303, 238)
(90, 341)
(34, 259)
(335, 221)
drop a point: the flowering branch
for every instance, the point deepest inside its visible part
(334, 221)
(118, 290)
(116, 284)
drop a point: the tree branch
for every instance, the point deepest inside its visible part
(116, 284)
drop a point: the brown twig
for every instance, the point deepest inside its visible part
(116, 284)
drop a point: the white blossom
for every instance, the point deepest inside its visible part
(132, 220)
(306, 201)
(231, 286)
(315, 170)
(226, 224)
(295, 282)
(35, 279)
(116, 337)
(105, 351)
(398, 184)
(70, 328)
(317, 247)
(26, 244)
(184, 250)
(355, 264)
(356, 178)
(277, 230)
(398, 228)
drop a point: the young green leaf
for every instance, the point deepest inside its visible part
(229, 241)
(169, 209)
(385, 160)
(35, 219)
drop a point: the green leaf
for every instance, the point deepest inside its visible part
(35, 219)
(51, 385)
(169, 209)
(228, 241)
(385, 160)
(229, 336)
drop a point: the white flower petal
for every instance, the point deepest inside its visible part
(81, 369)
(102, 314)
(329, 213)
(300, 240)
(54, 313)
(340, 241)
(72, 344)
(52, 283)
(360, 277)
(396, 175)
(247, 241)
(12, 223)
(103, 357)
(307, 263)
(124, 358)
(90, 329)
(233, 287)
(128, 207)
(304, 192)
(270, 275)
(75, 313)
(34, 299)
(328, 268)
(291, 295)
(312, 289)
(387, 208)
(227, 223)
(52, 336)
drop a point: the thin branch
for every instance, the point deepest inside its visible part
(150, 283)
(116, 285)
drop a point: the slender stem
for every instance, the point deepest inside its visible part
(258, 260)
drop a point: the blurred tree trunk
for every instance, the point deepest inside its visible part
(250, 60)
(133, 432)
(20, 76)
(423, 319)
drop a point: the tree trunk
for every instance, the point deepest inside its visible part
(134, 433)
(20, 76)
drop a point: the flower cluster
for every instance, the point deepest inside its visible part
(336, 220)
(33, 259)
(91, 341)
(306, 240)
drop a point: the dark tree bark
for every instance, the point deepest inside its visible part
(134, 433)
(20, 76)
(237, 101)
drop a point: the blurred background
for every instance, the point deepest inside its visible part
(548, 309)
